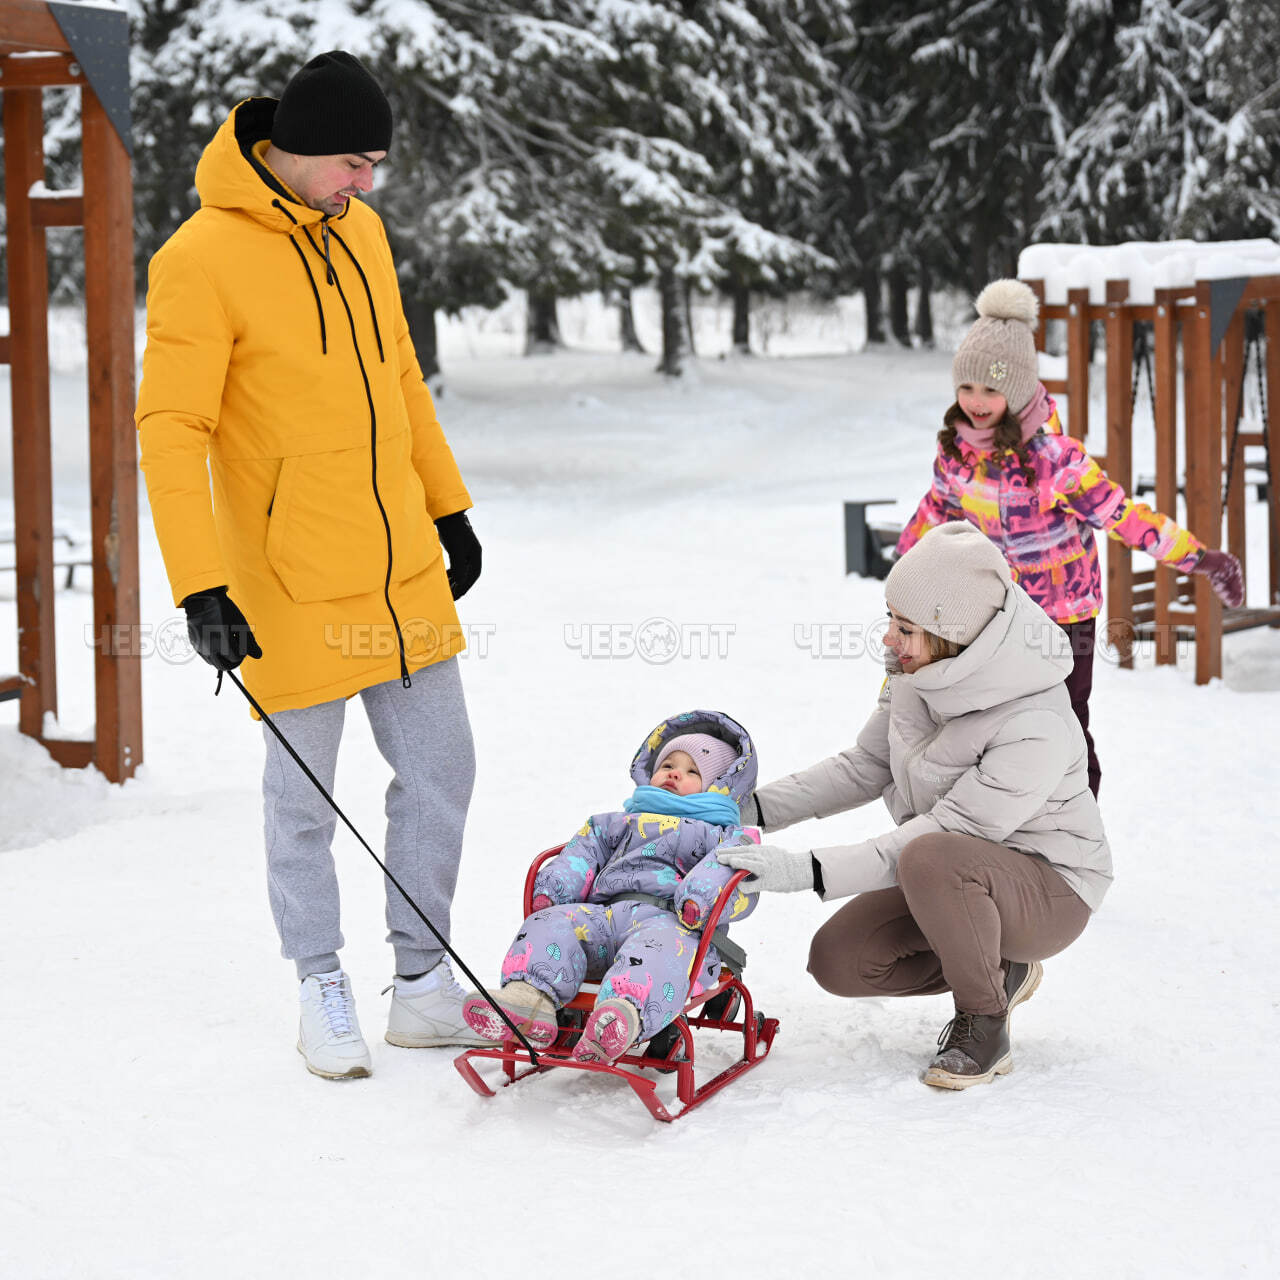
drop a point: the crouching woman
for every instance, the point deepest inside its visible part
(999, 856)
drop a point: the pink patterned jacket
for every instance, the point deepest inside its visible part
(1044, 528)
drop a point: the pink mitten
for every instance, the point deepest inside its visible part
(689, 912)
(1223, 571)
(541, 902)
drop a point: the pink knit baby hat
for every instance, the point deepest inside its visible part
(712, 756)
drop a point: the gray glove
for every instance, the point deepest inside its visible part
(773, 869)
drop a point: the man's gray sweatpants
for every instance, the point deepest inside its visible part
(424, 735)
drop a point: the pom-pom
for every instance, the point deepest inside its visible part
(1009, 300)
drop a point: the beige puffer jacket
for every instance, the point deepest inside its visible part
(984, 744)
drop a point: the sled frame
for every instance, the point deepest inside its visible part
(735, 1012)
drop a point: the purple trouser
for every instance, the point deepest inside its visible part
(960, 907)
(636, 950)
(1083, 636)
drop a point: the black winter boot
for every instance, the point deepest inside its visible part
(974, 1047)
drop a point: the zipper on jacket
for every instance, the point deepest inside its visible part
(373, 449)
(328, 262)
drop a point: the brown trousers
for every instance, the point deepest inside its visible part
(961, 906)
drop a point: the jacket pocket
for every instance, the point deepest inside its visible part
(326, 538)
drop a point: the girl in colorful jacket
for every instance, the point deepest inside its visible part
(1004, 465)
(624, 900)
(998, 855)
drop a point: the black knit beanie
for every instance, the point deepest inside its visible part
(332, 106)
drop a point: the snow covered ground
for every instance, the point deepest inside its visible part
(159, 1123)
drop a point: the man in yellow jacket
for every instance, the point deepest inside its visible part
(279, 366)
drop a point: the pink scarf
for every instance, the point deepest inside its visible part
(1033, 417)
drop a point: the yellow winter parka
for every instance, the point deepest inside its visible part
(279, 361)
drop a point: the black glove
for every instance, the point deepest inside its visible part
(462, 546)
(218, 630)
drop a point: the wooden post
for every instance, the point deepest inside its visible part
(1119, 325)
(1204, 473)
(1273, 448)
(108, 251)
(1165, 413)
(29, 393)
(1078, 363)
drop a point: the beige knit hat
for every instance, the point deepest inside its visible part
(1000, 350)
(952, 582)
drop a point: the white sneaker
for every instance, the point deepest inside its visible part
(427, 1012)
(328, 1033)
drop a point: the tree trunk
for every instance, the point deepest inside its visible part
(979, 260)
(741, 317)
(899, 313)
(421, 315)
(869, 279)
(687, 292)
(924, 309)
(627, 322)
(675, 323)
(542, 327)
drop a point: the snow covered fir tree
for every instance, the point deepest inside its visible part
(749, 147)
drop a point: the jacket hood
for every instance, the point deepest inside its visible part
(738, 781)
(1020, 652)
(229, 176)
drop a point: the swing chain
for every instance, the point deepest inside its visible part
(1252, 350)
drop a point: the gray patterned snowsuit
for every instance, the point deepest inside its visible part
(635, 948)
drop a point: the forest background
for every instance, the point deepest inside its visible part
(889, 148)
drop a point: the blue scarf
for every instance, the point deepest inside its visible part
(707, 806)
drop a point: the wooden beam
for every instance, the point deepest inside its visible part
(29, 392)
(1261, 290)
(58, 209)
(70, 753)
(39, 71)
(28, 24)
(1119, 464)
(1203, 400)
(4, 348)
(108, 248)
(1273, 447)
(1165, 413)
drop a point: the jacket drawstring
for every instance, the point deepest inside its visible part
(373, 315)
(328, 262)
(315, 293)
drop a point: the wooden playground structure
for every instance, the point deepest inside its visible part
(45, 45)
(1225, 327)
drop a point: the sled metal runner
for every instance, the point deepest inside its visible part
(726, 1006)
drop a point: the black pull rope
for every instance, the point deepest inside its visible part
(475, 982)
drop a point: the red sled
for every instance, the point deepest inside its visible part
(670, 1051)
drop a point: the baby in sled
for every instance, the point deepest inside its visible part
(624, 901)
